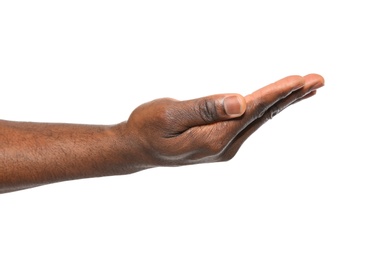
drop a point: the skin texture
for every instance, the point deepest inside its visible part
(163, 132)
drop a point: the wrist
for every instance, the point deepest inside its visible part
(129, 154)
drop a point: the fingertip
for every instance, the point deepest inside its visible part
(316, 80)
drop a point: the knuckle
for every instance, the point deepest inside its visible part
(273, 111)
(164, 112)
(260, 108)
(207, 111)
(262, 111)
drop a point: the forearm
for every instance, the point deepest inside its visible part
(33, 154)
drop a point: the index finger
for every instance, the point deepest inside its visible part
(261, 100)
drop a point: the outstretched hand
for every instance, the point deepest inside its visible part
(163, 132)
(169, 132)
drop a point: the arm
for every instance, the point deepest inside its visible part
(163, 132)
(33, 154)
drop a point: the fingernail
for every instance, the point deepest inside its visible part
(233, 106)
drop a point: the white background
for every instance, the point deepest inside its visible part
(295, 190)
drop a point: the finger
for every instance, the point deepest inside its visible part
(310, 94)
(258, 103)
(210, 109)
(216, 108)
(261, 100)
(314, 80)
(312, 83)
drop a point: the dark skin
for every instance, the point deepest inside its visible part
(163, 132)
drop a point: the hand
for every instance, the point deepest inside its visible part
(167, 132)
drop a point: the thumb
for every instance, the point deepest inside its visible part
(211, 109)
